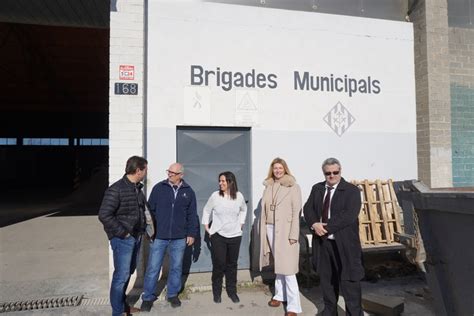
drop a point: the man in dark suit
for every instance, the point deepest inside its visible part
(332, 212)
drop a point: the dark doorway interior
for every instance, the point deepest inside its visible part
(53, 116)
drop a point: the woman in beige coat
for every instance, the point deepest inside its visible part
(279, 231)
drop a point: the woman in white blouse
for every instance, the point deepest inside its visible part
(227, 210)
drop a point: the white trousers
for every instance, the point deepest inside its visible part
(286, 286)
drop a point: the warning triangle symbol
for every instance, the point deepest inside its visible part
(246, 103)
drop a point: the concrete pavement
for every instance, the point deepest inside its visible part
(254, 301)
(67, 254)
(52, 256)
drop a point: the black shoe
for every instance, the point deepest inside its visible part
(234, 298)
(175, 302)
(146, 306)
(217, 299)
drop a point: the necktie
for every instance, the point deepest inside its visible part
(327, 201)
(175, 187)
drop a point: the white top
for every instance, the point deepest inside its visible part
(334, 187)
(227, 215)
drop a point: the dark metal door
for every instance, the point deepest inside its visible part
(205, 152)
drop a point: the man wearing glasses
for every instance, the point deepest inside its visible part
(332, 212)
(173, 203)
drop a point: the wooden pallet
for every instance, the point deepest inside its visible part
(380, 215)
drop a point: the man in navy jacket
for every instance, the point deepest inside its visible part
(173, 203)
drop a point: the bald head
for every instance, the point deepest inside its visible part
(175, 173)
(176, 167)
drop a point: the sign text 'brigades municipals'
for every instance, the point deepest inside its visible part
(227, 80)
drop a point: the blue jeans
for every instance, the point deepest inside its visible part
(158, 248)
(125, 261)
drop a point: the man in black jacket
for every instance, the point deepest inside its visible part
(123, 215)
(332, 212)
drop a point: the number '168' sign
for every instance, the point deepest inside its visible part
(126, 88)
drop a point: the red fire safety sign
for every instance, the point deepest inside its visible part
(127, 72)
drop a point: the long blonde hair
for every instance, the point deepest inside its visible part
(280, 161)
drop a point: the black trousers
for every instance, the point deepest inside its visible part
(225, 253)
(331, 283)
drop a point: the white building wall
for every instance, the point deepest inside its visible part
(287, 122)
(126, 120)
(126, 111)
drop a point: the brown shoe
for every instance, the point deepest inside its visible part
(274, 303)
(130, 310)
(290, 314)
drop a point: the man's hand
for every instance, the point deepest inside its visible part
(292, 241)
(319, 229)
(189, 241)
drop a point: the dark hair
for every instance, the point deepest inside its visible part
(231, 183)
(330, 161)
(134, 163)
